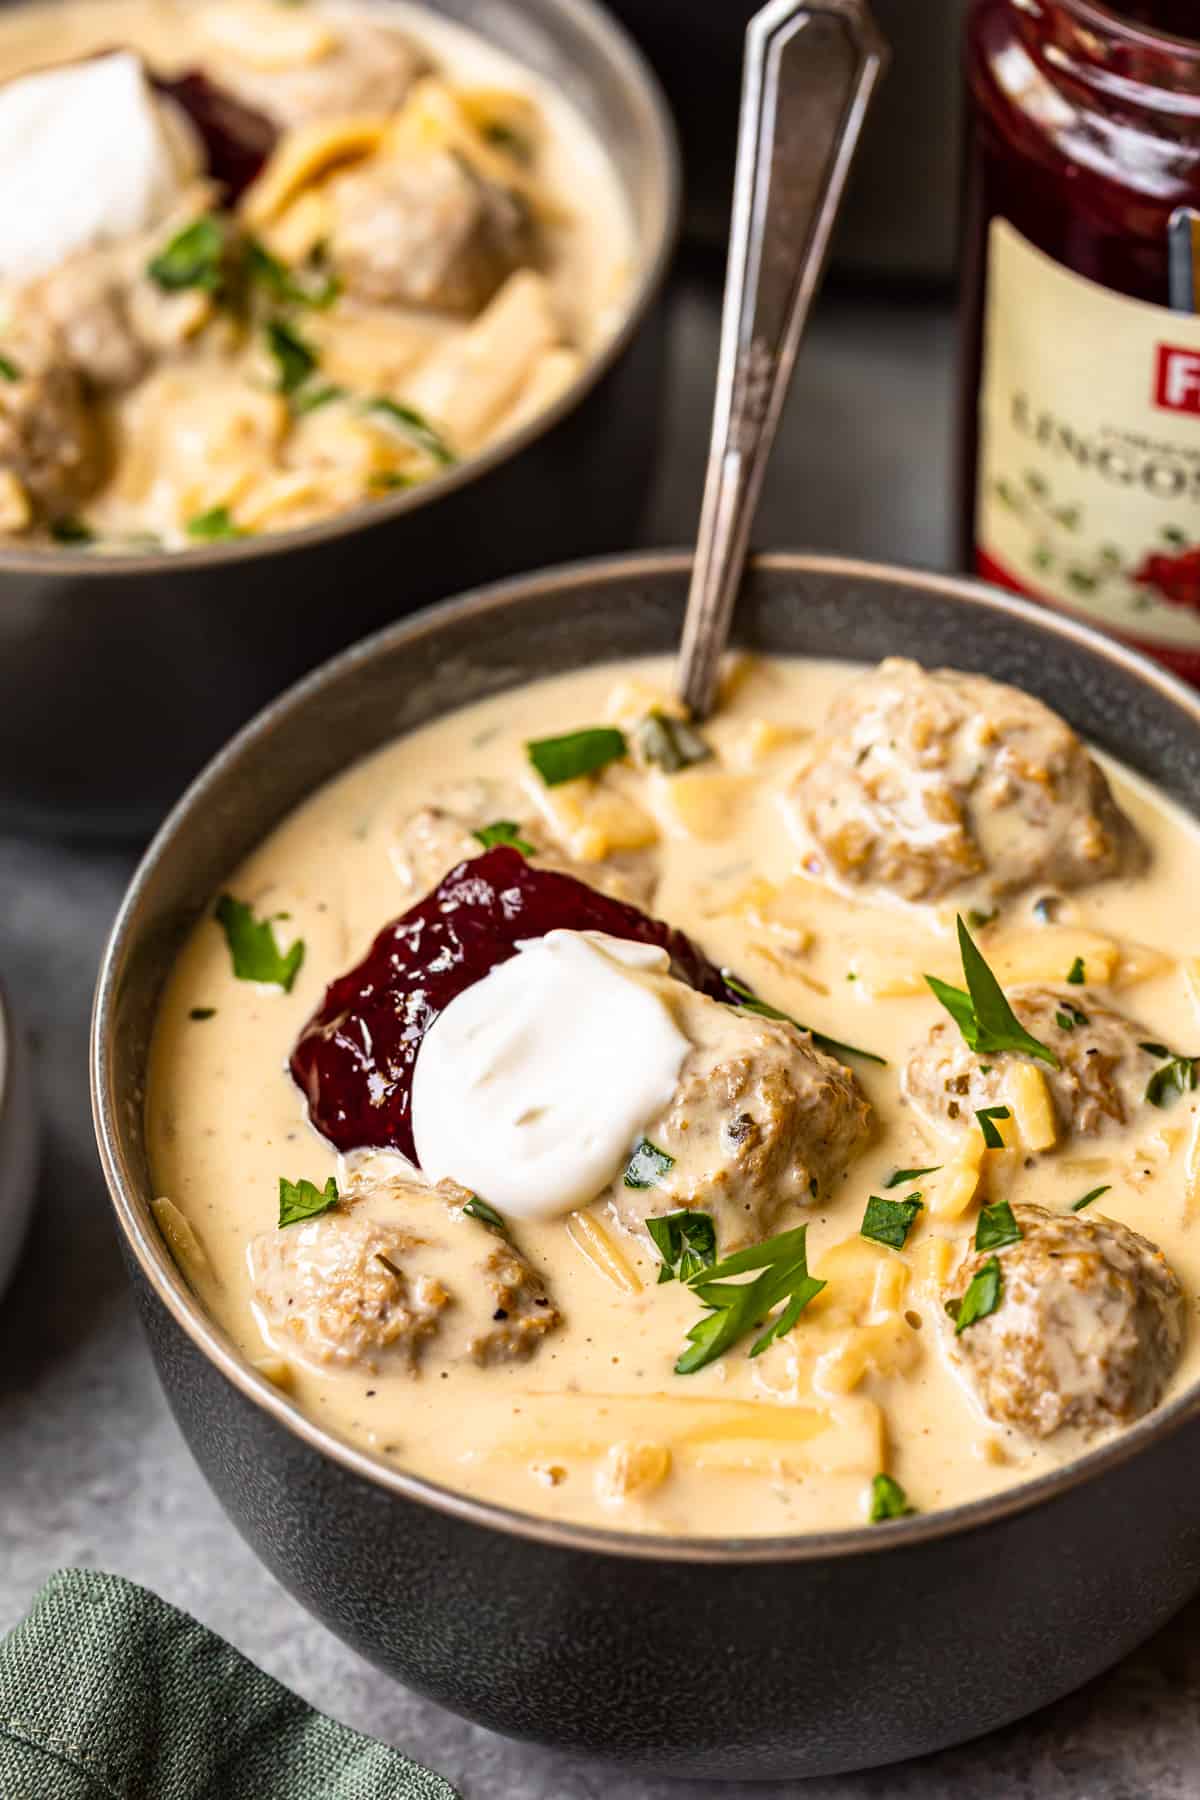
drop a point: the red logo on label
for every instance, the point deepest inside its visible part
(1177, 378)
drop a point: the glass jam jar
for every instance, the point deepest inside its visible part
(1081, 412)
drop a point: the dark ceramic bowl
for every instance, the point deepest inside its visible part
(120, 676)
(717, 1658)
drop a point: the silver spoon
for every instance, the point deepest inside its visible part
(810, 70)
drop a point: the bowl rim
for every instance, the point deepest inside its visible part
(614, 45)
(167, 1282)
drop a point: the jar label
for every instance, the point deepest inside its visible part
(1089, 449)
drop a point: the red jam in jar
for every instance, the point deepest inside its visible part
(1082, 389)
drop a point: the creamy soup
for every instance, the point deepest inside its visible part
(527, 1319)
(269, 261)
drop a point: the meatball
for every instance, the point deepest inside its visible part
(1100, 1082)
(335, 1290)
(395, 1275)
(523, 1312)
(428, 231)
(761, 1122)
(364, 68)
(1087, 1331)
(928, 783)
(50, 441)
(436, 838)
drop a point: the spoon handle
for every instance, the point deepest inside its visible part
(810, 70)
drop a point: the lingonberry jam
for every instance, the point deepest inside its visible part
(354, 1059)
(1082, 385)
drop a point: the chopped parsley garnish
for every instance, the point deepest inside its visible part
(416, 427)
(309, 399)
(194, 258)
(1077, 973)
(303, 1200)
(733, 1307)
(1177, 1076)
(475, 1208)
(203, 1012)
(888, 1500)
(1093, 1194)
(503, 831)
(648, 1166)
(977, 920)
(256, 955)
(294, 359)
(566, 758)
(284, 284)
(670, 744)
(981, 1013)
(1064, 1021)
(987, 1115)
(387, 481)
(70, 530)
(10, 370)
(748, 1001)
(997, 1226)
(890, 1221)
(215, 526)
(984, 1294)
(686, 1241)
(902, 1176)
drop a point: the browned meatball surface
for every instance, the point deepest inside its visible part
(396, 1276)
(49, 439)
(1100, 1082)
(762, 1123)
(367, 68)
(428, 231)
(928, 783)
(1088, 1330)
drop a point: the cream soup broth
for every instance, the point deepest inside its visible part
(596, 1426)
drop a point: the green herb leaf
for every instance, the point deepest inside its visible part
(1064, 1021)
(671, 744)
(686, 1241)
(905, 1175)
(214, 526)
(648, 1166)
(203, 1012)
(10, 370)
(888, 1500)
(416, 427)
(503, 831)
(748, 1001)
(982, 1013)
(256, 955)
(985, 1115)
(319, 289)
(735, 1308)
(70, 530)
(193, 258)
(577, 753)
(983, 1296)
(1177, 1076)
(388, 481)
(1093, 1194)
(890, 1221)
(309, 399)
(295, 359)
(1077, 973)
(996, 1227)
(302, 1200)
(475, 1208)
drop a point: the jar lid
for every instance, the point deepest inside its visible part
(18, 1141)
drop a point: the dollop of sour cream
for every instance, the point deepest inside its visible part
(88, 156)
(535, 1085)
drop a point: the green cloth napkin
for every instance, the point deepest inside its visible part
(108, 1693)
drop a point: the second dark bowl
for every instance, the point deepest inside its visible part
(119, 677)
(716, 1658)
